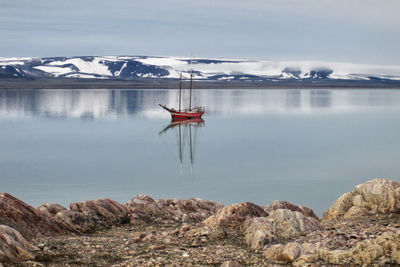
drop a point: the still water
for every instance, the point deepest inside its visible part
(304, 146)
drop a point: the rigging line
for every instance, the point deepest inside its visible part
(180, 91)
(191, 84)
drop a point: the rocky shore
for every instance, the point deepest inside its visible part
(362, 227)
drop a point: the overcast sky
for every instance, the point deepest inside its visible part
(360, 31)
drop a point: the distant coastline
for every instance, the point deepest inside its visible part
(148, 83)
(150, 72)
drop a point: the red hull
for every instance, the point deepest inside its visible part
(194, 113)
(176, 115)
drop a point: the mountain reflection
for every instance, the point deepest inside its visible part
(112, 104)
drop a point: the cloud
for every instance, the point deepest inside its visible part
(354, 30)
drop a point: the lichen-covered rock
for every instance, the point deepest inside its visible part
(82, 222)
(280, 225)
(379, 195)
(234, 215)
(301, 254)
(258, 228)
(90, 215)
(144, 209)
(51, 209)
(308, 255)
(365, 252)
(198, 233)
(284, 253)
(281, 204)
(289, 223)
(231, 264)
(109, 211)
(376, 196)
(13, 246)
(356, 212)
(189, 210)
(385, 247)
(339, 207)
(258, 232)
(27, 220)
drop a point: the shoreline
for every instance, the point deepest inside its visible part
(71, 83)
(361, 227)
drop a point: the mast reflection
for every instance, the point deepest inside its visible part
(187, 133)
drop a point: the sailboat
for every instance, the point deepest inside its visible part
(189, 112)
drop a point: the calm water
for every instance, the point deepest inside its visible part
(304, 146)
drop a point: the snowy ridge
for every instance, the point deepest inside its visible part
(136, 67)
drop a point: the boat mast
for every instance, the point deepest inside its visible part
(180, 91)
(191, 85)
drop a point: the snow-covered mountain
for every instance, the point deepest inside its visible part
(138, 67)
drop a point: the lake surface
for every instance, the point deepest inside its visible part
(304, 146)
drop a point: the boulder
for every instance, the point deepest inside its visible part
(189, 210)
(27, 220)
(234, 215)
(94, 214)
(308, 255)
(367, 251)
(144, 209)
(364, 253)
(289, 224)
(281, 204)
(13, 246)
(231, 264)
(356, 212)
(51, 209)
(293, 252)
(283, 253)
(258, 232)
(280, 225)
(256, 226)
(375, 196)
(83, 222)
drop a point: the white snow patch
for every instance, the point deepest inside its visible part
(90, 67)
(117, 73)
(5, 63)
(163, 61)
(56, 71)
(227, 78)
(147, 75)
(85, 76)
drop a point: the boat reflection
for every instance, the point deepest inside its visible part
(187, 135)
